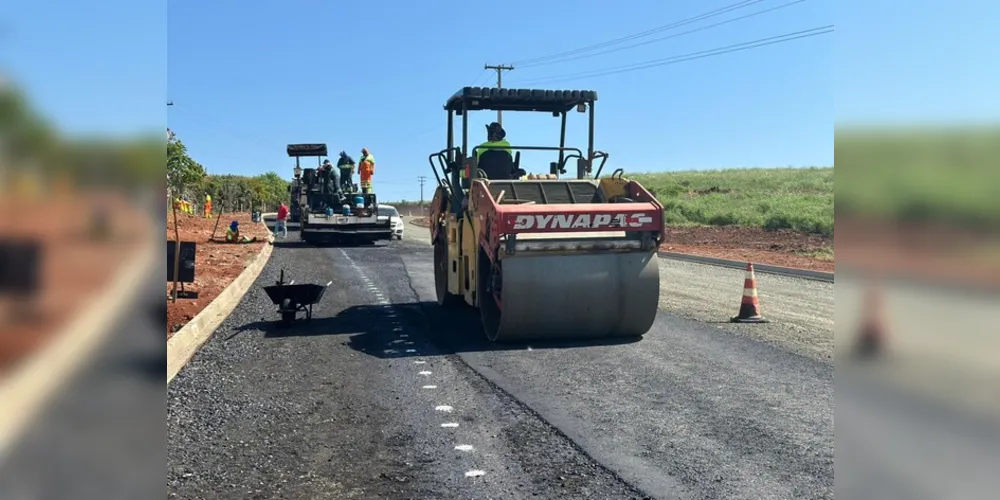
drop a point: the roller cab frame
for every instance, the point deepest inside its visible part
(317, 225)
(543, 256)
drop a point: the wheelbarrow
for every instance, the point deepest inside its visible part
(291, 298)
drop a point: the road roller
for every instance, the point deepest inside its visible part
(541, 254)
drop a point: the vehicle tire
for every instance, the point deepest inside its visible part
(444, 297)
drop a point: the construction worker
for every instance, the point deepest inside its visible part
(367, 170)
(346, 166)
(233, 234)
(208, 206)
(331, 184)
(495, 135)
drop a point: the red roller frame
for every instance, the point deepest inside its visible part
(645, 214)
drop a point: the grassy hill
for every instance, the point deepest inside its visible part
(932, 175)
(774, 198)
(800, 199)
(946, 175)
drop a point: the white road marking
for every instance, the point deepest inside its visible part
(475, 473)
(414, 350)
(429, 387)
(389, 351)
(424, 373)
(444, 408)
(402, 335)
(464, 447)
(450, 425)
(407, 343)
(417, 362)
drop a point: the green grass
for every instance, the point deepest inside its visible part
(945, 175)
(800, 199)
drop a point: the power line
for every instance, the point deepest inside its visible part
(475, 83)
(688, 57)
(706, 15)
(655, 40)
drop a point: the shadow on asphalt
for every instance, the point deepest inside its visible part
(452, 331)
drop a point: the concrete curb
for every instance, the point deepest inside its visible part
(25, 391)
(185, 342)
(413, 223)
(760, 268)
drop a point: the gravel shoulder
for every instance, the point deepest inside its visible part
(339, 409)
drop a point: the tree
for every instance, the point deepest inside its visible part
(272, 188)
(182, 171)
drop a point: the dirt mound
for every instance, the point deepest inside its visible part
(777, 248)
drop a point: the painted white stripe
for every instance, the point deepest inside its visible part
(429, 387)
(450, 425)
(464, 447)
(425, 373)
(419, 362)
(444, 408)
(475, 473)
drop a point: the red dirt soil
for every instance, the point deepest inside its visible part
(74, 267)
(751, 244)
(932, 251)
(217, 263)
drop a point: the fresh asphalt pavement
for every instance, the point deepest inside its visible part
(383, 395)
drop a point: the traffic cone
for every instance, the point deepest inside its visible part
(750, 305)
(871, 336)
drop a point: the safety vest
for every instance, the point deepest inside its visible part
(367, 167)
(488, 145)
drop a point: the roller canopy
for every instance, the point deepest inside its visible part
(306, 150)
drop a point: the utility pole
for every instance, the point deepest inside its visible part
(499, 69)
(421, 180)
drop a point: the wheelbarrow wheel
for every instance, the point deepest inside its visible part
(287, 312)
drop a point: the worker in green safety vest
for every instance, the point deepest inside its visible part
(495, 139)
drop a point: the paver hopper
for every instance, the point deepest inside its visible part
(542, 256)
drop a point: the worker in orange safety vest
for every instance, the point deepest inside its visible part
(367, 169)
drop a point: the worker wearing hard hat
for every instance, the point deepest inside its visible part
(495, 139)
(208, 206)
(367, 170)
(233, 234)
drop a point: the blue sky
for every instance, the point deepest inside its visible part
(247, 78)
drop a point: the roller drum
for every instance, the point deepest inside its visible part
(562, 297)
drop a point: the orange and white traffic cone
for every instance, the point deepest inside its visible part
(871, 336)
(750, 305)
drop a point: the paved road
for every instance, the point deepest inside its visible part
(352, 405)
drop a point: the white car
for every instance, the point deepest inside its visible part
(390, 212)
